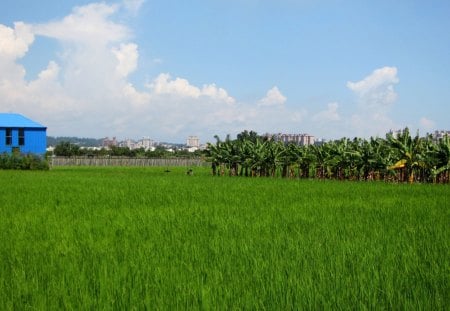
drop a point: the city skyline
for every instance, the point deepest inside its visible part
(194, 141)
(171, 69)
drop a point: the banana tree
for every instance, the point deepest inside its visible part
(441, 171)
(273, 157)
(409, 153)
(306, 161)
(257, 159)
(320, 156)
(213, 155)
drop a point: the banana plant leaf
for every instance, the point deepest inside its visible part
(398, 165)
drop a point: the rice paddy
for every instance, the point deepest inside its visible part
(144, 238)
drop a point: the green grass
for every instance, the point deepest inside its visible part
(135, 238)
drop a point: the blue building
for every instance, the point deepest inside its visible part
(22, 135)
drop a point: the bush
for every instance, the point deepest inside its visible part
(23, 162)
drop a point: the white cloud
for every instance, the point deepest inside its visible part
(82, 83)
(427, 124)
(378, 78)
(96, 57)
(135, 97)
(14, 43)
(127, 55)
(330, 114)
(273, 98)
(375, 95)
(180, 87)
(85, 91)
(217, 93)
(377, 89)
(50, 73)
(87, 24)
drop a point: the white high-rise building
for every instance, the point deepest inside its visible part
(438, 135)
(298, 139)
(127, 143)
(145, 143)
(193, 141)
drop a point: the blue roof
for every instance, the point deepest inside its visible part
(17, 120)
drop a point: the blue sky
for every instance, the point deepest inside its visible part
(168, 69)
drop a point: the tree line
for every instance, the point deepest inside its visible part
(401, 157)
(68, 149)
(79, 141)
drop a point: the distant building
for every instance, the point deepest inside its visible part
(298, 139)
(129, 143)
(109, 142)
(22, 135)
(145, 143)
(438, 135)
(395, 133)
(193, 141)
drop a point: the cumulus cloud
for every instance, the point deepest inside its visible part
(377, 89)
(82, 82)
(127, 55)
(95, 58)
(330, 114)
(87, 24)
(50, 73)
(85, 90)
(134, 97)
(378, 78)
(273, 98)
(180, 87)
(14, 42)
(375, 95)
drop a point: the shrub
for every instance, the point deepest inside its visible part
(23, 162)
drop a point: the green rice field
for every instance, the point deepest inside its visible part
(81, 238)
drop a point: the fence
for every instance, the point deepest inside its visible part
(122, 161)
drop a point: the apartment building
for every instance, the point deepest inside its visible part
(298, 139)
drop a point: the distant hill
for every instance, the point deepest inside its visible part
(82, 142)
